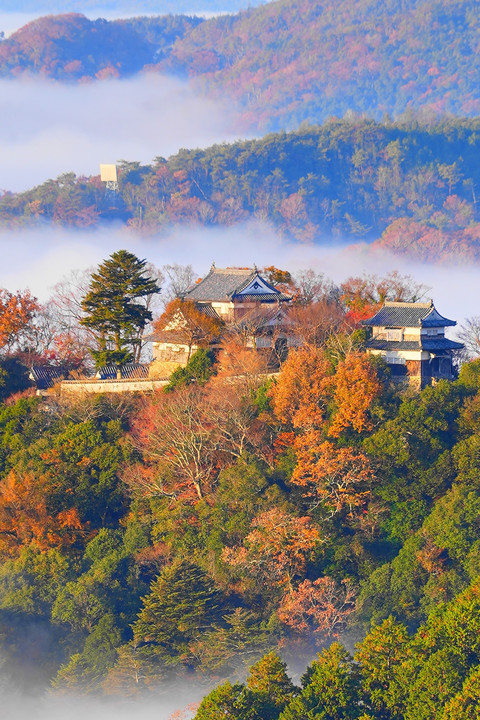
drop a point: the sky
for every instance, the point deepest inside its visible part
(49, 128)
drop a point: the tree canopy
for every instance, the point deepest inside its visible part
(114, 309)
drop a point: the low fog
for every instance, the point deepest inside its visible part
(49, 128)
(38, 259)
(74, 707)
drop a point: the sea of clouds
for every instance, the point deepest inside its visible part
(49, 128)
(38, 259)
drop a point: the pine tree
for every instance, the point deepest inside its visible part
(114, 309)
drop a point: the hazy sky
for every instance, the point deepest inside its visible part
(48, 128)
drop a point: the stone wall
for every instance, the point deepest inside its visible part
(144, 385)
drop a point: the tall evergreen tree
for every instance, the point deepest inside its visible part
(115, 307)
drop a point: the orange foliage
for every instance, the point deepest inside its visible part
(277, 548)
(24, 517)
(16, 312)
(189, 323)
(338, 478)
(303, 388)
(356, 386)
(322, 606)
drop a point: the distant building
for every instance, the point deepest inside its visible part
(411, 339)
(239, 298)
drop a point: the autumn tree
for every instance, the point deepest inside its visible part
(303, 388)
(334, 479)
(322, 607)
(26, 518)
(191, 324)
(313, 287)
(363, 296)
(17, 311)
(315, 322)
(179, 442)
(277, 549)
(115, 307)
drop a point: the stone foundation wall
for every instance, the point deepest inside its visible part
(110, 386)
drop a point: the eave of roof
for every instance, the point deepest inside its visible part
(220, 284)
(263, 297)
(398, 314)
(428, 344)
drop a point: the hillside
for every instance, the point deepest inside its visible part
(343, 181)
(297, 60)
(72, 47)
(149, 539)
(285, 62)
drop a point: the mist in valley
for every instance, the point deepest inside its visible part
(38, 259)
(49, 128)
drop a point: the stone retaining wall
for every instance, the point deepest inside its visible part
(111, 386)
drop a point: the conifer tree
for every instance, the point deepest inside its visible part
(114, 309)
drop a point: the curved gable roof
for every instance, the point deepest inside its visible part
(224, 284)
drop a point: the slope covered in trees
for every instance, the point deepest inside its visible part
(346, 180)
(72, 47)
(296, 60)
(193, 532)
(282, 62)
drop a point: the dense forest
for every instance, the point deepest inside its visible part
(282, 62)
(296, 60)
(346, 180)
(194, 533)
(72, 47)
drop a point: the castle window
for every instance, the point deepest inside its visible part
(394, 334)
(393, 359)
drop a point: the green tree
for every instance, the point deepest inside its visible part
(198, 370)
(115, 307)
(182, 604)
(270, 686)
(330, 689)
(379, 656)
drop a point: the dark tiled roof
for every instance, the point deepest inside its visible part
(208, 311)
(129, 370)
(398, 314)
(220, 284)
(45, 375)
(440, 344)
(427, 343)
(391, 345)
(267, 297)
(226, 284)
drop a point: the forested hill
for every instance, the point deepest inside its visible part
(285, 61)
(297, 60)
(72, 47)
(416, 184)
